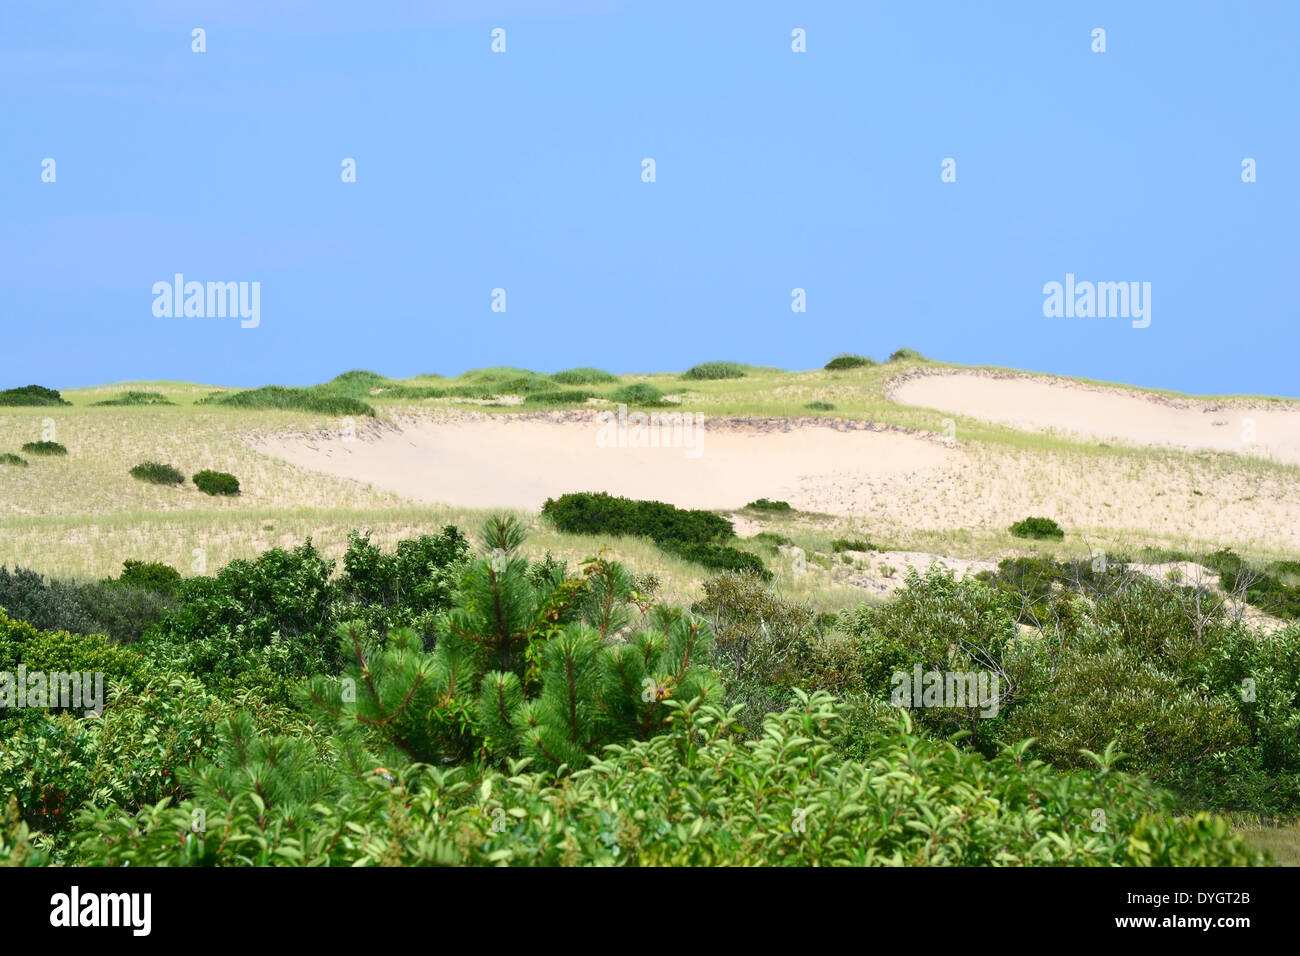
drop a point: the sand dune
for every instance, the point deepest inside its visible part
(1093, 412)
(518, 461)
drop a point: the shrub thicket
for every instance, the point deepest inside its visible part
(638, 393)
(764, 504)
(137, 398)
(32, 395)
(584, 376)
(44, 448)
(847, 361)
(1037, 528)
(216, 483)
(157, 473)
(713, 371)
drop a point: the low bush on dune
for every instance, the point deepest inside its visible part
(714, 371)
(764, 504)
(570, 397)
(1037, 528)
(34, 395)
(907, 355)
(584, 376)
(137, 398)
(149, 576)
(601, 513)
(44, 448)
(851, 544)
(216, 483)
(316, 399)
(639, 393)
(847, 361)
(698, 536)
(157, 473)
(9, 458)
(820, 406)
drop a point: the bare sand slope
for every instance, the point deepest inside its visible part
(518, 461)
(1109, 414)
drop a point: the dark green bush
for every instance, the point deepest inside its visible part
(600, 513)
(317, 399)
(571, 397)
(907, 355)
(851, 544)
(763, 504)
(1037, 528)
(712, 371)
(639, 393)
(9, 458)
(216, 483)
(150, 576)
(137, 398)
(120, 610)
(157, 473)
(44, 448)
(584, 376)
(718, 557)
(32, 395)
(848, 361)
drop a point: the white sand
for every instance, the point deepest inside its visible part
(1112, 415)
(483, 461)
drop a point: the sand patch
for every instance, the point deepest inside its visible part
(518, 461)
(1270, 430)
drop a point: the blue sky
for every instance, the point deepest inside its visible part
(775, 170)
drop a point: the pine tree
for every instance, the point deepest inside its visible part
(525, 664)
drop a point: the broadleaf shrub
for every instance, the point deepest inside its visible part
(157, 473)
(1037, 528)
(216, 483)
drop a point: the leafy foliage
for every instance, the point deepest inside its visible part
(157, 473)
(847, 361)
(712, 371)
(216, 483)
(32, 395)
(1037, 528)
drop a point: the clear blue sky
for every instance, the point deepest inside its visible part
(522, 170)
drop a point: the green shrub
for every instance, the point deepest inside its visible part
(851, 544)
(157, 473)
(1037, 528)
(639, 393)
(604, 514)
(571, 397)
(712, 371)
(317, 399)
(216, 483)
(149, 576)
(718, 557)
(848, 361)
(44, 448)
(137, 398)
(31, 395)
(820, 406)
(907, 355)
(120, 610)
(694, 795)
(763, 504)
(584, 376)
(9, 458)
